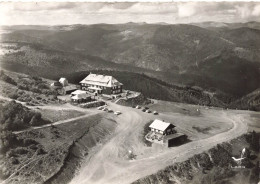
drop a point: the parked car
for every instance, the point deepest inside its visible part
(117, 113)
(109, 110)
(105, 109)
(138, 107)
(148, 111)
(155, 112)
(143, 110)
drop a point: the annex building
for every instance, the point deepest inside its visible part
(161, 127)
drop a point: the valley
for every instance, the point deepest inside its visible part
(203, 78)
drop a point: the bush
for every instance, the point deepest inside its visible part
(6, 78)
(8, 139)
(36, 90)
(14, 116)
(13, 95)
(36, 78)
(34, 121)
(28, 142)
(22, 87)
(21, 151)
(40, 151)
(43, 86)
(38, 98)
(14, 160)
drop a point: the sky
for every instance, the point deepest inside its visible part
(64, 13)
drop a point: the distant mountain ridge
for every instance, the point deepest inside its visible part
(215, 56)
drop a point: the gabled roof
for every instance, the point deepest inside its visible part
(56, 83)
(159, 125)
(80, 96)
(78, 92)
(62, 79)
(101, 80)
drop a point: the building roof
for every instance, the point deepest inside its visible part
(78, 92)
(62, 79)
(101, 80)
(159, 125)
(80, 96)
(174, 136)
(57, 84)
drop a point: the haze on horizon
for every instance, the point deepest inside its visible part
(65, 13)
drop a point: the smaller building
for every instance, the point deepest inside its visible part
(80, 96)
(64, 82)
(161, 127)
(56, 85)
(69, 89)
(176, 139)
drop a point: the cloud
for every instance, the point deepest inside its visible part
(187, 9)
(244, 11)
(256, 11)
(112, 13)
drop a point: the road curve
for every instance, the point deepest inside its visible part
(108, 163)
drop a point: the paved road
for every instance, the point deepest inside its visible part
(108, 164)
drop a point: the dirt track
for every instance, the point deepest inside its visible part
(109, 163)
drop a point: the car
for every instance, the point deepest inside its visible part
(143, 110)
(105, 109)
(109, 110)
(138, 107)
(117, 113)
(155, 112)
(148, 111)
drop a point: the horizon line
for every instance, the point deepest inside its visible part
(129, 23)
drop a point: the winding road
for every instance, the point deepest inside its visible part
(109, 163)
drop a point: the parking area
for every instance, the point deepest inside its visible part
(145, 109)
(109, 110)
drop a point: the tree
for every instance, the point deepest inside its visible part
(8, 139)
(254, 176)
(255, 141)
